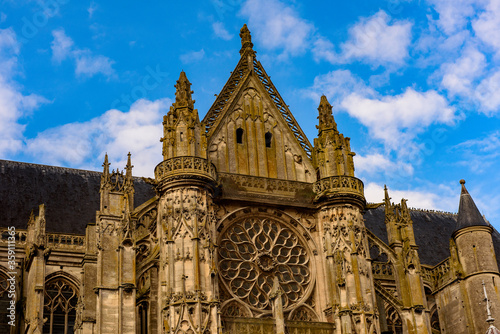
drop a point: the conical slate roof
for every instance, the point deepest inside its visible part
(468, 214)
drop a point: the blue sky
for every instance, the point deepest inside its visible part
(414, 84)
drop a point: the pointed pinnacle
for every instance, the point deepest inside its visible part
(246, 39)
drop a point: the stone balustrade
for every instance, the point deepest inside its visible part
(189, 165)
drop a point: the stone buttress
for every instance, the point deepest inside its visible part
(414, 311)
(115, 289)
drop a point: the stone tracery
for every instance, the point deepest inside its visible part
(255, 250)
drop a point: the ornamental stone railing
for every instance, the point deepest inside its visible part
(339, 185)
(439, 275)
(185, 166)
(54, 240)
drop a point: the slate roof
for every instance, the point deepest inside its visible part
(468, 214)
(71, 196)
(432, 229)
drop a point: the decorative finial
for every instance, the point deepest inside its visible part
(246, 39)
(183, 92)
(326, 120)
(462, 181)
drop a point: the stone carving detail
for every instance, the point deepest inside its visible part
(254, 251)
(185, 165)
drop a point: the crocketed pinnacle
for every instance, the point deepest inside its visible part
(468, 214)
(246, 39)
(326, 120)
(183, 93)
(129, 167)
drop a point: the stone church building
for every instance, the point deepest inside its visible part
(245, 228)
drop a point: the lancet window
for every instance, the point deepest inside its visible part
(60, 302)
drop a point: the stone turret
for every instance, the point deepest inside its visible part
(341, 200)
(185, 182)
(182, 130)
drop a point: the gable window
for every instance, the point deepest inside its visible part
(269, 138)
(239, 136)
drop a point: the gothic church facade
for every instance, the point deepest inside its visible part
(246, 228)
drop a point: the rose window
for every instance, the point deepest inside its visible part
(254, 251)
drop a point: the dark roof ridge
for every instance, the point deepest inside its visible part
(423, 210)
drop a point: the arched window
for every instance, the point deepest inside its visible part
(239, 136)
(60, 302)
(4, 304)
(269, 139)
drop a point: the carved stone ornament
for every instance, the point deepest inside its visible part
(254, 251)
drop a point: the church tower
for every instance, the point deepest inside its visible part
(340, 197)
(185, 183)
(462, 305)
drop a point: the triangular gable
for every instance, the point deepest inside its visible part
(251, 137)
(245, 66)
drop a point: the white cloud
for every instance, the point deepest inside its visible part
(82, 145)
(373, 164)
(86, 63)
(13, 104)
(458, 77)
(90, 65)
(454, 15)
(487, 93)
(192, 57)
(378, 41)
(337, 85)
(277, 26)
(92, 8)
(487, 25)
(61, 45)
(220, 31)
(396, 120)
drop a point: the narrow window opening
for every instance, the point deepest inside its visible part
(269, 138)
(239, 136)
(181, 136)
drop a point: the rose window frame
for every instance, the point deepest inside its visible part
(255, 247)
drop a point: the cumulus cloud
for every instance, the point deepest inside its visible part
(13, 104)
(220, 31)
(378, 40)
(454, 15)
(487, 25)
(277, 26)
(75, 144)
(396, 120)
(61, 45)
(458, 77)
(337, 85)
(192, 57)
(376, 163)
(86, 63)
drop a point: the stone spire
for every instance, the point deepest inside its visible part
(183, 93)
(246, 40)
(468, 214)
(332, 151)
(326, 120)
(491, 329)
(105, 172)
